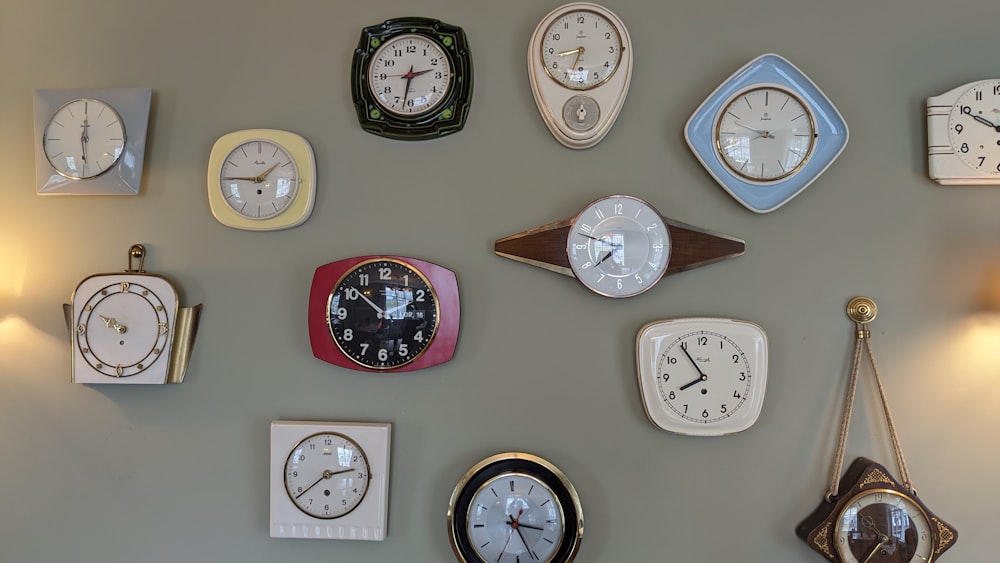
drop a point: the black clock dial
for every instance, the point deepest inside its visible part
(383, 314)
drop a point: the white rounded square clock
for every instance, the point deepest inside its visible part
(702, 376)
(329, 480)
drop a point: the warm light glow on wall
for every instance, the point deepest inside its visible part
(13, 267)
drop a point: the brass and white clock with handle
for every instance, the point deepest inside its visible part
(963, 134)
(580, 67)
(329, 480)
(128, 327)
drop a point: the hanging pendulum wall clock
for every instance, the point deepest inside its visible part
(867, 516)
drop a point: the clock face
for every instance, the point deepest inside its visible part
(619, 246)
(765, 134)
(581, 49)
(383, 313)
(84, 139)
(409, 75)
(704, 376)
(327, 475)
(514, 508)
(974, 127)
(515, 517)
(882, 526)
(258, 179)
(123, 327)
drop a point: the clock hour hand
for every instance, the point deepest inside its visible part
(702, 376)
(264, 174)
(84, 138)
(763, 133)
(606, 256)
(113, 323)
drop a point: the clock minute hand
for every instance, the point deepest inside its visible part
(381, 313)
(264, 174)
(986, 122)
(702, 376)
(326, 475)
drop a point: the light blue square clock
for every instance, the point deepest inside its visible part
(766, 133)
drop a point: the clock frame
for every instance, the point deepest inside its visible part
(419, 42)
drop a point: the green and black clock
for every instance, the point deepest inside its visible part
(411, 79)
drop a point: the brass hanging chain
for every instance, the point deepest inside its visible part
(862, 311)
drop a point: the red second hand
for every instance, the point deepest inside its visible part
(513, 526)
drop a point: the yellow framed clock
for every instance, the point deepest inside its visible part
(262, 179)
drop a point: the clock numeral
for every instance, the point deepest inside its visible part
(163, 328)
(125, 286)
(600, 214)
(420, 296)
(384, 273)
(363, 279)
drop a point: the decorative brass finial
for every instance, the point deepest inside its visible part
(136, 252)
(862, 310)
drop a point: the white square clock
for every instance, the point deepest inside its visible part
(702, 376)
(329, 480)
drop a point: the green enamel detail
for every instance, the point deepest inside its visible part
(375, 42)
(447, 41)
(375, 114)
(446, 113)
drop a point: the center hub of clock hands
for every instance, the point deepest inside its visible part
(702, 376)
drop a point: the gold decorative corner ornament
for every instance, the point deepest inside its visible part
(128, 327)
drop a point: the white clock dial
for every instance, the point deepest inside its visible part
(704, 377)
(882, 526)
(581, 49)
(122, 329)
(765, 134)
(974, 127)
(84, 139)
(515, 517)
(327, 475)
(619, 246)
(409, 75)
(259, 179)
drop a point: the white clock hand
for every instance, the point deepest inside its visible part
(381, 313)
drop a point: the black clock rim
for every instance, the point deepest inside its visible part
(515, 463)
(430, 288)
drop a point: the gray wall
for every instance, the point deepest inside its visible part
(179, 473)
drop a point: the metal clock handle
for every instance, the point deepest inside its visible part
(862, 310)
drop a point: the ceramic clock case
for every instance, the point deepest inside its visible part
(124, 176)
(767, 70)
(448, 115)
(439, 351)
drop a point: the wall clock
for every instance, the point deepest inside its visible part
(702, 376)
(90, 141)
(411, 79)
(384, 313)
(329, 480)
(514, 507)
(618, 246)
(261, 179)
(128, 327)
(766, 133)
(868, 516)
(579, 67)
(963, 134)
(875, 520)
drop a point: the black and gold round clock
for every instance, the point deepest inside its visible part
(411, 79)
